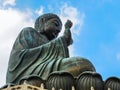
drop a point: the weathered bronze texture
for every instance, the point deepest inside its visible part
(89, 81)
(112, 83)
(38, 51)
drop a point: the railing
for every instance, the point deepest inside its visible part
(25, 87)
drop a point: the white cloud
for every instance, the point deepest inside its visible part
(11, 23)
(9, 2)
(40, 10)
(72, 13)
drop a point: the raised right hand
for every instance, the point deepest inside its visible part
(68, 24)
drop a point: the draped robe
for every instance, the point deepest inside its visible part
(33, 54)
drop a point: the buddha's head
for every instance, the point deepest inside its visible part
(48, 24)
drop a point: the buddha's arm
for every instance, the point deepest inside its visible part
(68, 37)
(67, 32)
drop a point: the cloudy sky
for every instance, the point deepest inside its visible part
(95, 31)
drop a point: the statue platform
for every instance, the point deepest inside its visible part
(24, 87)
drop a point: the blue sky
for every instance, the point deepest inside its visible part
(95, 30)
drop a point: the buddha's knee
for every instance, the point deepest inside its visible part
(76, 65)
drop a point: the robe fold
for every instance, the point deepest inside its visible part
(32, 54)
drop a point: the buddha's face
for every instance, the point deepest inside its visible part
(52, 27)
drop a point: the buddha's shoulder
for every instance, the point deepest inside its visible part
(26, 29)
